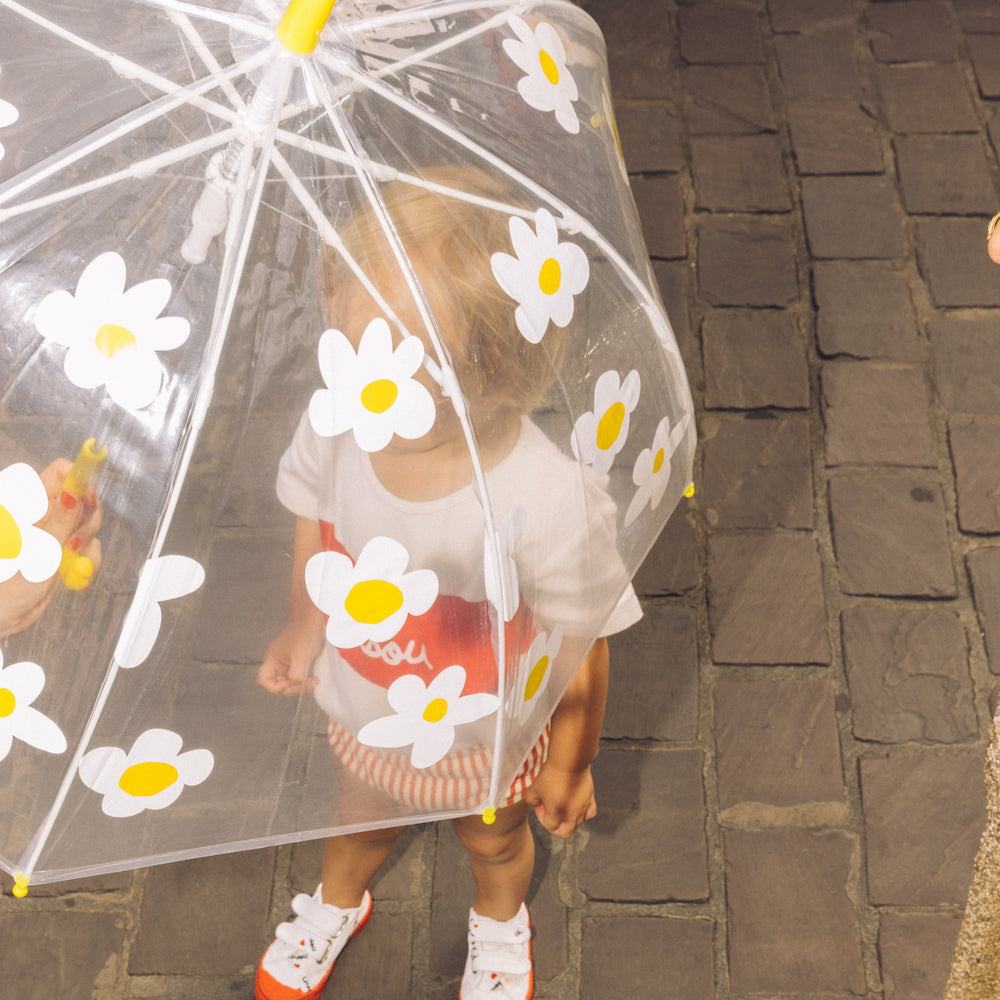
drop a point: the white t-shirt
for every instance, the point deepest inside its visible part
(562, 527)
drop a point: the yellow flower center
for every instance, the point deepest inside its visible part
(610, 425)
(535, 678)
(7, 703)
(550, 276)
(549, 67)
(111, 340)
(658, 461)
(147, 779)
(436, 710)
(378, 396)
(372, 601)
(10, 535)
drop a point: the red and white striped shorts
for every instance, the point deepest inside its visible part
(460, 781)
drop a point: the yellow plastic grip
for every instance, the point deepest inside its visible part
(88, 461)
(300, 25)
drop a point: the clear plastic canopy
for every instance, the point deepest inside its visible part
(390, 294)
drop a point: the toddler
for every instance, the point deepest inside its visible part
(419, 503)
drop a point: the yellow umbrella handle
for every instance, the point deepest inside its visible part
(299, 27)
(76, 571)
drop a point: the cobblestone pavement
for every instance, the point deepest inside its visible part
(791, 784)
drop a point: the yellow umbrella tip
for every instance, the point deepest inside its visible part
(489, 815)
(300, 25)
(21, 885)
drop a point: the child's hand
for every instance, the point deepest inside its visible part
(563, 800)
(288, 659)
(73, 521)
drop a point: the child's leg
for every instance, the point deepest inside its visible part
(502, 856)
(351, 861)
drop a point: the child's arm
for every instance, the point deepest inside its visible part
(563, 792)
(291, 653)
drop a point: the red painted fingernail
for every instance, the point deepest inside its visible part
(75, 542)
(67, 500)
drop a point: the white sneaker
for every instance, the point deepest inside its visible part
(298, 962)
(498, 966)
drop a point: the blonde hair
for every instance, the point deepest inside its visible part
(455, 239)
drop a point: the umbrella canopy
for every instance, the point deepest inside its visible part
(363, 317)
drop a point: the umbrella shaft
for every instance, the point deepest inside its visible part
(299, 28)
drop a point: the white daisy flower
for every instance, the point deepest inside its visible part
(534, 672)
(8, 115)
(508, 534)
(371, 392)
(150, 776)
(20, 685)
(25, 549)
(163, 579)
(543, 276)
(600, 434)
(548, 85)
(113, 335)
(368, 600)
(426, 715)
(651, 471)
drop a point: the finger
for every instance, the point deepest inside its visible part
(63, 515)
(993, 245)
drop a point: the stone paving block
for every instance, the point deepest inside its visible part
(650, 138)
(852, 217)
(923, 98)
(660, 202)
(746, 262)
(72, 956)
(672, 279)
(379, 961)
(944, 175)
(908, 672)
(911, 31)
(864, 310)
(777, 743)
(953, 264)
(876, 415)
(639, 46)
(754, 358)
(924, 816)
(650, 954)
(975, 456)
(978, 15)
(985, 63)
(805, 15)
(819, 66)
(204, 917)
(984, 571)
(757, 472)
(890, 536)
(452, 896)
(658, 657)
(235, 627)
(967, 363)
(647, 842)
(792, 922)
(724, 33)
(742, 173)
(916, 951)
(834, 137)
(673, 565)
(727, 100)
(765, 600)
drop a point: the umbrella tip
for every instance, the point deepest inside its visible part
(21, 885)
(489, 815)
(689, 492)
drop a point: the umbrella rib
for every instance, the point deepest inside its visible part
(136, 171)
(202, 50)
(174, 96)
(227, 18)
(435, 9)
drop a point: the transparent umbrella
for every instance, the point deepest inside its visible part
(343, 312)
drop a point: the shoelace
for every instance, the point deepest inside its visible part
(310, 929)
